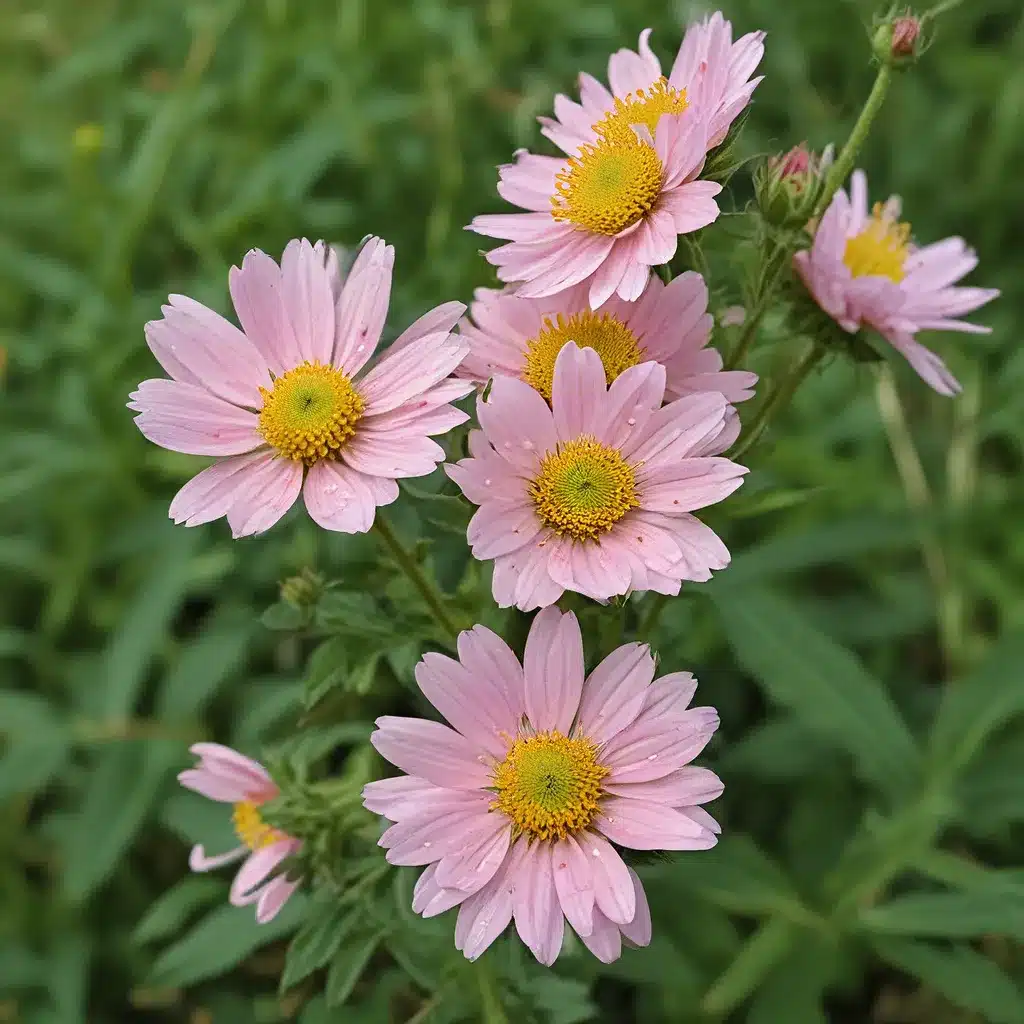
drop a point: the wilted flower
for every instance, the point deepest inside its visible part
(226, 776)
(512, 810)
(513, 336)
(289, 404)
(594, 492)
(710, 73)
(864, 269)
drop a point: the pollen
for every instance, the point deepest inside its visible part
(610, 184)
(549, 785)
(583, 489)
(310, 412)
(881, 249)
(608, 336)
(251, 829)
(644, 106)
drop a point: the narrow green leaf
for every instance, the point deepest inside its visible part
(348, 965)
(317, 941)
(964, 977)
(823, 684)
(953, 915)
(170, 912)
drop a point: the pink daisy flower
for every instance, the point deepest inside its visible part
(710, 72)
(514, 810)
(594, 493)
(864, 270)
(512, 336)
(290, 403)
(605, 215)
(228, 777)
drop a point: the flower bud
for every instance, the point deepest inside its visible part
(897, 40)
(302, 591)
(787, 186)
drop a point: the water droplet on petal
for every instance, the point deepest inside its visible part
(330, 488)
(652, 757)
(426, 846)
(529, 445)
(487, 482)
(595, 853)
(631, 421)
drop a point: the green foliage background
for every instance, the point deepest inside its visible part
(863, 648)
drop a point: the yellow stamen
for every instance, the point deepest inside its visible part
(645, 106)
(881, 249)
(549, 785)
(610, 184)
(310, 412)
(583, 489)
(613, 341)
(251, 829)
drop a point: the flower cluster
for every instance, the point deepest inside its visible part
(603, 420)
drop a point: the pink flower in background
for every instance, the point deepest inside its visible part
(515, 808)
(512, 336)
(605, 215)
(290, 403)
(594, 493)
(228, 777)
(711, 74)
(864, 270)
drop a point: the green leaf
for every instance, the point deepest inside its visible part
(170, 912)
(348, 965)
(562, 1000)
(823, 684)
(285, 617)
(220, 941)
(973, 708)
(317, 941)
(964, 977)
(952, 915)
(36, 743)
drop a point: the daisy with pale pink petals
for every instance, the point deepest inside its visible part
(512, 336)
(228, 777)
(710, 72)
(605, 215)
(514, 809)
(291, 402)
(594, 493)
(863, 269)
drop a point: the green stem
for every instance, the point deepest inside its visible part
(778, 399)
(432, 598)
(840, 170)
(771, 271)
(763, 950)
(490, 996)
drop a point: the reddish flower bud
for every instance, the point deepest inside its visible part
(796, 161)
(905, 33)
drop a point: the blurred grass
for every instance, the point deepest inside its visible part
(148, 145)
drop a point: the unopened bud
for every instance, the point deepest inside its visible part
(787, 186)
(303, 591)
(897, 40)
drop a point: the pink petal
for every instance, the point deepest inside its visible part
(339, 498)
(486, 655)
(363, 306)
(257, 290)
(646, 826)
(476, 706)
(651, 747)
(392, 454)
(198, 346)
(631, 72)
(691, 205)
(631, 399)
(211, 493)
(198, 861)
(431, 751)
(605, 940)
(538, 915)
(256, 869)
(440, 319)
(472, 867)
(398, 376)
(309, 300)
(186, 418)
(229, 764)
(269, 490)
(499, 528)
(574, 884)
(614, 693)
(398, 797)
(518, 422)
(429, 899)
(638, 931)
(273, 897)
(670, 693)
(213, 787)
(553, 667)
(485, 915)
(613, 888)
(437, 833)
(578, 388)
(686, 787)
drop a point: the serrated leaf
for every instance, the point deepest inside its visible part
(964, 977)
(220, 941)
(317, 941)
(823, 684)
(348, 965)
(952, 915)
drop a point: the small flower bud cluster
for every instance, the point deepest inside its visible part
(788, 186)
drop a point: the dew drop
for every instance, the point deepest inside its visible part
(595, 853)
(426, 846)
(652, 757)
(331, 488)
(529, 445)
(631, 421)
(487, 482)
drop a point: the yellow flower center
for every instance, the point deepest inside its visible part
(610, 184)
(310, 412)
(613, 341)
(251, 829)
(583, 489)
(645, 106)
(881, 249)
(549, 785)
